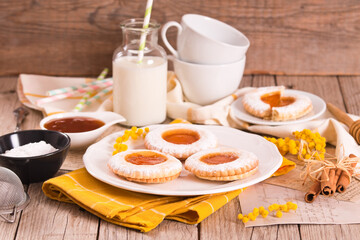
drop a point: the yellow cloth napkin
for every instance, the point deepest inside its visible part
(286, 166)
(131, 209)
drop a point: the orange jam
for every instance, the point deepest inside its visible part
(181, 136)
(275, 100)
(218, 158)
(74, 124)
(145, 158)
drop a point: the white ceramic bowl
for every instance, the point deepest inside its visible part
(206, 84)
(84, 139)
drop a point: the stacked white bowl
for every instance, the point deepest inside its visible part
(210, 57)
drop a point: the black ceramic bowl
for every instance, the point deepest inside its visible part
(37, 168)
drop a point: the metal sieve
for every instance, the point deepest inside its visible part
(13, 198)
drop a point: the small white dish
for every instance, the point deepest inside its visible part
(319, 107)
(84, 139)
(97, 156)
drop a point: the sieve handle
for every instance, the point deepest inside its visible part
(10, 218)
(20, 114)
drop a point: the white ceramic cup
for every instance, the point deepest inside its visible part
(206, 84)
(205, 40)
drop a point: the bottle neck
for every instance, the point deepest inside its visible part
(131, 37)
(132, 31)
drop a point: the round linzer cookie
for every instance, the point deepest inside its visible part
(180, 140)
(222, 164)
(274, 103)
(146, 166)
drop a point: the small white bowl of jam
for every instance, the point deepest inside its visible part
(83, 128)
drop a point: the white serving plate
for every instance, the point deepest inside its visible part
(98, 154)
(319, 107)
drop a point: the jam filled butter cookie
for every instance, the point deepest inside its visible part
(222, 164)
(180, 140)
(145, 166)
(274, 103)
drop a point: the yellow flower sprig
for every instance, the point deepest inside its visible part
(308, 145)
(285, 145)
(278, 209)
(313, 144)
(134, 133)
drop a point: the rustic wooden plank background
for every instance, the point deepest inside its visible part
(78, 37)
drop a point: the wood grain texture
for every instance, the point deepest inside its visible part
(350, 87)
(263, 81)
(321, 232)
(9, 102)
(44, 218)
(326, 87)
(78, 37)
(73, 160)
(8, 230)
(246, 81)
(268, 233)
(288, 232)
(223, 224)
(167, 228)
(111, 231)
(350, 231)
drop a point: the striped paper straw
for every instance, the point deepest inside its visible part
(75, 88)
(102, 74)
(145, 26)
(100, 85)
(56, 97)
(99, 95)
(81, 104)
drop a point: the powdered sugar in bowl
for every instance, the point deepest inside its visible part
(39, 164)
(30, 150)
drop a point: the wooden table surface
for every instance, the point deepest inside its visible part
(47, 219)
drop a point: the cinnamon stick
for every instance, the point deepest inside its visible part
(327, 182)
(313, 192)
(344, 179)
(337, 176)
(328, 187)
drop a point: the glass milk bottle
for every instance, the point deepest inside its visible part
(140, 86)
